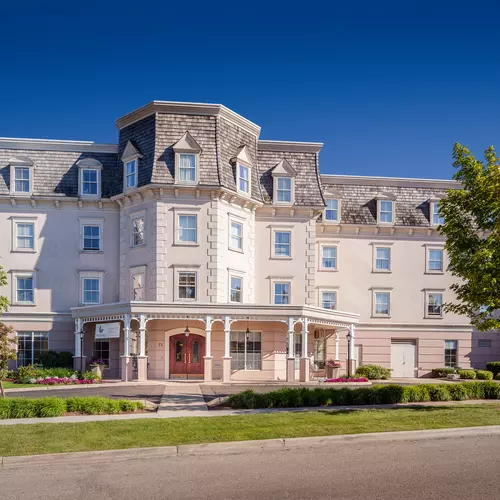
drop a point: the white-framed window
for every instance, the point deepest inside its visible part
(436, 219)
(187, 228)
(31, 347)
(450, 353)
(24, 236)
(100, 350)
(22, 179)
(187, 167)
(236, 235)
(25, 288)
(138, 230)
(435, 260)
(138, 283)
(328, 299)
(243, 178)
(90, 182)
(246, 351)
(235, 288)
(382, 259)
(385, 212)
(282, 244)
(186, 285)
(328, 258)
(434, 304)
(484, 343)
(284, 189)
(131, 173)
(381, 302)
(281, 292)
(91, 283)
(91, 237)
(332, 211)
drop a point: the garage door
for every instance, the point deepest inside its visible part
(403, 358)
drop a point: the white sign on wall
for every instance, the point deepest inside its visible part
(107, 331)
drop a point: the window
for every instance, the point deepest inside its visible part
(187, 167)
(236, 286)
(90, 182)
(450, 353)
(25, 235)
(435, 260)
(434, 304)
(281, 293)
(91, 238)
(246, 351)
(484, 343)
(22, 180)
(382, 259)
(131, 174)
(382, 303)
(187, 285)
(236, 238)
(329, 300)
(101, 350)
(243, 178)
(25, 289)
(436, 219)
(297, 349)
(31, 346)
(319, 350)
(328, 258)
(282, 244)
(187, 228)
(138, 231)
(138, 286)
(284, 189)
(332, 210)
(386, 211)
(91, 290)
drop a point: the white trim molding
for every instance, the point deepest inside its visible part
(16, 220)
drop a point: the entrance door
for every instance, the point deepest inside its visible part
(403, 358)
(186, 356)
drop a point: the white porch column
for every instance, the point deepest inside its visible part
(78, 358)
(337, 345)
(352, 351)
(304, 360)
(208, 349)
(226, 360)
(126, 360)
(290, 361)
(142, 359)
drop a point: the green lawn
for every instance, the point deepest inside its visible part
(120, 434)
(11, 385)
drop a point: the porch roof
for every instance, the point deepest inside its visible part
(216, 312)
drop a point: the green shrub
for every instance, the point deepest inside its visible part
(439, 392)
(467, 374)
(91, 376)
(49, 407)
(442, 372)
(493, 366)
(373, 372)
(26, 373)
(23, 408)
(126, 405)
(92, 405)
(415, 394)
(54, 359)
(484, 375)
(4, 408)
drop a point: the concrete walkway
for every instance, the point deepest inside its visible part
(184, 398)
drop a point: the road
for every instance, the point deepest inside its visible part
(458, 468)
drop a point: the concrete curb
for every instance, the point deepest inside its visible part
(239, 447)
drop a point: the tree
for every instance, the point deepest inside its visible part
(472, 228)
(7, 341)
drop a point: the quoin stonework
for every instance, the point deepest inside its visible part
(222, 256)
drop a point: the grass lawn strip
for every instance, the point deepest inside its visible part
(12, 385)
(122, 434)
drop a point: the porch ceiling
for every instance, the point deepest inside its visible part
(182, 310)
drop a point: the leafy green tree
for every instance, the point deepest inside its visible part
(8, 341)
(472, 228)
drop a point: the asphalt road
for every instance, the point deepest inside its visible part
(455, 468)
(150, 392)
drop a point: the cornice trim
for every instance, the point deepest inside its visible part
(290, 146)
(329, 179)
(56, 145)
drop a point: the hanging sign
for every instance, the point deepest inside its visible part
(107, 331)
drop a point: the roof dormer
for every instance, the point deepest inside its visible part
(386, 208)
(130, 159)
(187, 159)
(89, 178)
(21, 175)
(243, 164)
(283, 183)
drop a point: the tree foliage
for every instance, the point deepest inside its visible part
(4, 303)
(472, 228)
(8, 341)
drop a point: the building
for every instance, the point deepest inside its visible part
(194, 249)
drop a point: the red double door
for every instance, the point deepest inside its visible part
(186, 355)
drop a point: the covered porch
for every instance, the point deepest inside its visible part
(213, 341)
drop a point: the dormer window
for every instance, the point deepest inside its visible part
(386, 203)
(243, 163)
(21, 175)
(436, 219)
(130, 159)
(243, 180)
(284, 190)
(89, 177)
(283, 182)
(332, 210)
(187, 157)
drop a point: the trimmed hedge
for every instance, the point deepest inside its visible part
(373, 372)
(484, 375)
(55, 407)
(442, 372)
(493, 366)
(377, 394)
(467, 374)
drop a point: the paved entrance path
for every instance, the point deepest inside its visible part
(184, 398)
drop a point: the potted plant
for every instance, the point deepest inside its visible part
(97, 366)
(332, 368)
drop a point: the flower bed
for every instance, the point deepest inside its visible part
(64, 381)
(343, 380)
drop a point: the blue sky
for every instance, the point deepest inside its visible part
(387, 86)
